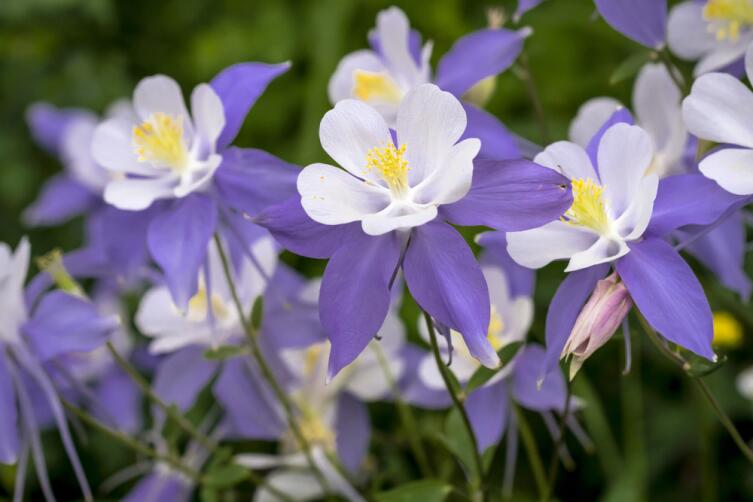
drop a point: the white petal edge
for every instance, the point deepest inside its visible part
(208, 114)
(568, 159)
(590, 117)
(719, 108)
(556, 240)
(331, 196)
(731, 168)
(349, 131)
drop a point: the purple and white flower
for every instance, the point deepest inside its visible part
(719, 108)
(620, 217)
(715, 33)
(386, 211)
(397, 63)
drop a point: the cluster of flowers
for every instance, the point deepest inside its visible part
(171, 207)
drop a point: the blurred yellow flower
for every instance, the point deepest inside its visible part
(728, 332)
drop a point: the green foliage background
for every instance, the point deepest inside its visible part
(654, 436)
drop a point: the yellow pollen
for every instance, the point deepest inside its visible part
(159, 141)
(727, 330)
(588, 208)
(727, 17)
(390, 163)
(311, 359)
(496, 328)
(198, 306)
(371, 86)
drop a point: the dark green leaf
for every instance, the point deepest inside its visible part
(226, 476)
(257, 312)
(428, 490)
(224, 352)
(630, 67)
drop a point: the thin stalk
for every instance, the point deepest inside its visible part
(673, 71)
(171, 411)
(554, 463)
(406, 416)
(131, 443)
(475, 482)
(533, 95)
(532, 451)
(253, 343)
(704, 389)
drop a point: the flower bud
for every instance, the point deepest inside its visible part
(598, 320)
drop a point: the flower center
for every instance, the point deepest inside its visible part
(588, 209)
(496, 328)
(198, 306)
(371, 86)
(391, 164)
(726, 17)
(159, 141)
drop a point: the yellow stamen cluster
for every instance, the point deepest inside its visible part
(728, 332)
(496, 328)
(198, 306)
(371, 86)
(159, 141)
(588, 209)
(391, 164)
(728, 17)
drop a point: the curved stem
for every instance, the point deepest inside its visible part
(533, 95)
(131, 443)
(406, 416)
(666, 60)
(171, 411)
(704, 389)
(253, 343)
(532, 451)
(554, 463)
(476, 489)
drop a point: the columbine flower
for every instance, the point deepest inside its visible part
(657, 103)
(184, 162)
(332, 417)
(509, 321)
(598, 321)
(643, 21)
(658, 106)
(390, 200)
(165, 153)
(211, 321)
(396, 64)
(618, 219)
(718, 109)
(67, 134)
(610, 209)
(714, 32)
(59, 323)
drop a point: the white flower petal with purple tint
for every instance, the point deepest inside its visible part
(165, 152)
(715, 33)
(658, 110)
(211, 318)
(610, 208)
(719, 108)
(388, 186)
(382, 77)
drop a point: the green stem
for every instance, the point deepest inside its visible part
(406, 416)
(266, 371)
(666, 60)
(703, 388)
(131, 443)
(533, 95)
(475, 482)
(554, 463)
(171, 411)
(532, 451)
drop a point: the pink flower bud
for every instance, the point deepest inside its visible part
(598, 320)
